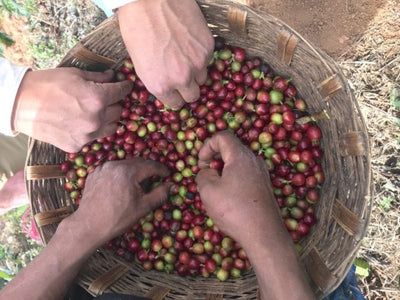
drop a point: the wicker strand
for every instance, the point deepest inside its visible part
(52, 216)
(315, 117)
(330, 86)
(287, 43)
(157, 293)
(317, 270)
(43, 172)
(346, 218)
(353, 144)
(237, 20)
(100, 284)
(214, 297)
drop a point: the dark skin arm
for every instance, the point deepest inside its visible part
(112, 202)
(241, 203)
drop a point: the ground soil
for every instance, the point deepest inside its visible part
(331, 25)
(18, 29)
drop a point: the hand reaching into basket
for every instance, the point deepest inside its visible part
(170, 46)
(68, 107)
(115, 197)
(113, 201)
(241, 203)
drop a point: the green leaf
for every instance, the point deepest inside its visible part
(362, 267)
(395, 98)
(14, 8)
(5, 275)
(20, 210)
(385, 203)
(6, 39)
(398, 286)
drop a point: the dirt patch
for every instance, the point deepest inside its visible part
(42, 39)
(17, 27)
(331, 25)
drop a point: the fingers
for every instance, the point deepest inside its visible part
(112, 113)
(108, 122)
(158, 195)
(224, 143)
(150, 168)
(106, 130)
(98, 77)
(173, 99)
(201, 76)
(207, 178)
(191, 92)
(114, 91)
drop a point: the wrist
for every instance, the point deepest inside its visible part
(74, 231)
(287, 275)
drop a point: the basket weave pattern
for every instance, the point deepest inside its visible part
(345, 204)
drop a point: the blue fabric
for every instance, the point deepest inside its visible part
(348, 289)
(100, 3)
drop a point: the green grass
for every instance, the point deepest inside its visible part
(6, 40)
(395, 98)
(386, 203)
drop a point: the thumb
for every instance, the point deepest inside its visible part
(98, 77)
(158, 195)
(206, 179)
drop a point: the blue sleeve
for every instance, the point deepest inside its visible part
(348, 289)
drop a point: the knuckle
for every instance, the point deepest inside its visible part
(97, 101)
(82, 140)
(93, 123)
(184, 76)
(160, 88)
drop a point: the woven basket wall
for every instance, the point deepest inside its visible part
(343, 210)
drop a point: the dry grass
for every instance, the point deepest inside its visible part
(373, 68)
(58, 25)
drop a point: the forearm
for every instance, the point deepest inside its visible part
(50, 274)
(279, 273)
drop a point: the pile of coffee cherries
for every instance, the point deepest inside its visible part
(242, 95)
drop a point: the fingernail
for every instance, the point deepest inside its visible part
(109, 71)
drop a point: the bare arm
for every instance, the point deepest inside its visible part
(97, 220)
(242, 204)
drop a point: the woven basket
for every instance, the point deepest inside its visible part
(345, 204)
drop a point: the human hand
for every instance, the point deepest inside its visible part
(68, 107)
(240, 202)
(170, 46)
(113, 198)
